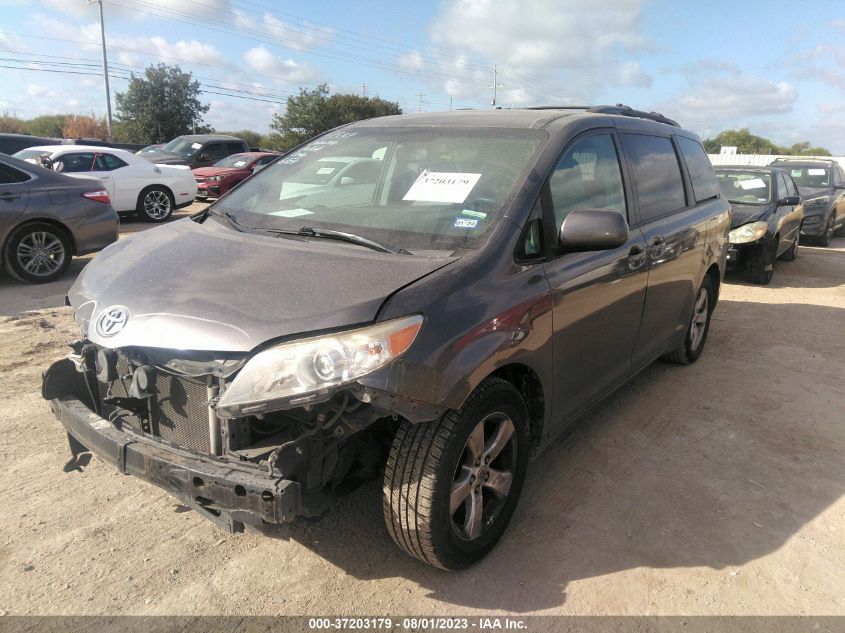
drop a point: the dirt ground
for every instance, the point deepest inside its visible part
(710, 489)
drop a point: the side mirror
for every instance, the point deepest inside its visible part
(789, 201)
(593, 230)
(347, 180)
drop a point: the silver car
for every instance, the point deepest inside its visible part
(46, 218)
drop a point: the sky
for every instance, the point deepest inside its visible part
(775, 67)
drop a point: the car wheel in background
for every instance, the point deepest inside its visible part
(761, 262)
(451, 485)
(699, 326)
(791, 253)
(824, 238)
(37, 253)
(840, 232)
(155, 204)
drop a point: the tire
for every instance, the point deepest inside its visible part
(840, 232)
(824, 238)
(37, 253)
(155, 204)
(791, 253)
(761, 263)
(699, 326)
(431, 463)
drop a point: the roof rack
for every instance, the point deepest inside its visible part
(623, 110)
(803, 159)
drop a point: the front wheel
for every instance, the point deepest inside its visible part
(699, 326)
(761, 263)
(451, 485)
(155, 204)
(792, 252)
(824, 238)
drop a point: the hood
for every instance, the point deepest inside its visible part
(166, 158)
(206, 287)
(217, 171)
(745, 213)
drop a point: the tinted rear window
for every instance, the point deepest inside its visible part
(9, 175)
(657, 175)
(702, 176)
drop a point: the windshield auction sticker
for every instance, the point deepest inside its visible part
(435, 186)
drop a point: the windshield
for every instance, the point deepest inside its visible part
(746, 187)
(30, 153)
(182, 147)
(421, 189)
(809, 176)
(235, 160)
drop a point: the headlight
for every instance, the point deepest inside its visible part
(215, 178)
(750, 232)
(817, 202)
(320, 364)
(812, 219)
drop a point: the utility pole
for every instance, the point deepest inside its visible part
(105, 68)
(496, 84)
(450, 104)
(419, 107)
(364, 90)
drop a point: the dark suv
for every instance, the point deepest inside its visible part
(821, 183)
(504, 272)
(197, 150)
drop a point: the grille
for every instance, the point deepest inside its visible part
(179, 408)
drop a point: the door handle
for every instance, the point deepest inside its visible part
(8, 196)
(636, 257)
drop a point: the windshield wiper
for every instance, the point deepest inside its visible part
(307, 231)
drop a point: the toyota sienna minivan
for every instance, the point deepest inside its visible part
(434, 326)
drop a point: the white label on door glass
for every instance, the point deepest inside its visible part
(435, 186)
(754, 183)
(815, 172)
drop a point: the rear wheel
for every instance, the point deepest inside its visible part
(155, 204)
(37, 253)
(761, 263)
(451, 485)
(699, 326)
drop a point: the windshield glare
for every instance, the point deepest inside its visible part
(30, 153)
(809, 176)
(182, 147)
(746, 187)
(421, 189)
(235, 160)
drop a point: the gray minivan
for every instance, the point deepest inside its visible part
(505, 272)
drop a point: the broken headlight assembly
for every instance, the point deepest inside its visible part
(747, 233)
(301, 370)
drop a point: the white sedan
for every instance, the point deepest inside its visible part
(134, 183)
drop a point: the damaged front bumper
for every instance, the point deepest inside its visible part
(229, 493)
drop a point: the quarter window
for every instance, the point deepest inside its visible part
(588, 177)
(657, 175)
(10, 175)
(109, 162)
(701, 174)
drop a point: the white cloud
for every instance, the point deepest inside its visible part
(723, 98)
(186, 51)
(286, 71)
(37, 91)
(631, 74)
(298, 38)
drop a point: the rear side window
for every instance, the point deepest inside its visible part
(702, 176)
(215, 151)
(657, 175)
(234, 148)
(588, 177)
(109, 162)
(10, 175)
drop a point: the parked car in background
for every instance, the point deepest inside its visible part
(439, 333)
(135, 185)
(46, 218)
(766, 219)
(11, 143)
(821, 184)
(197, 150)
(149, 148)
(214, 181)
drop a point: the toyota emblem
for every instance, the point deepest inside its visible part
(112, 320)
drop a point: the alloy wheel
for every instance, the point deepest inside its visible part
(699, 318)
(157, 204)
(40, 253)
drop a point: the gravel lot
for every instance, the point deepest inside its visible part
(711, 489)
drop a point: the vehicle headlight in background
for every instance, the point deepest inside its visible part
(812, 219)
(313, 365)
(750, 232)
(817, 202)
(215, 178)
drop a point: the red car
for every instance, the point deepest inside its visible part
(214, 181)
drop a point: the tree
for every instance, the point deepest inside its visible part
(10, 124)
(748, 143)
(85, 126)
(160, 106)
(47, 125)
(313, 112)
(253, 139)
